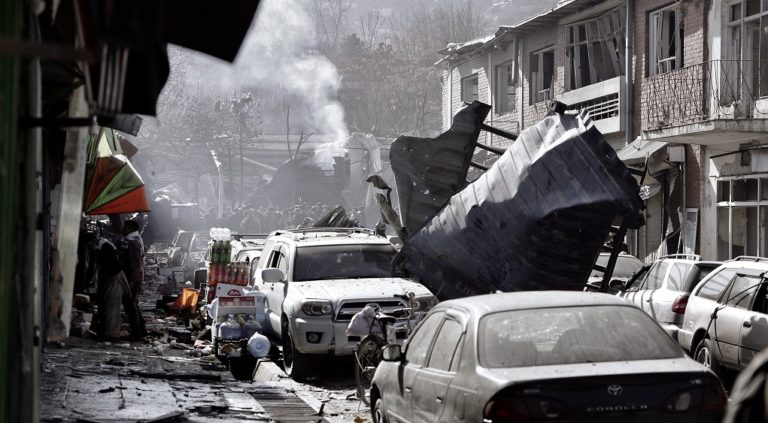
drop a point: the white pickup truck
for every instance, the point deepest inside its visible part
(315, 280)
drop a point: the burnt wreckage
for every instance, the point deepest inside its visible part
(536, 219)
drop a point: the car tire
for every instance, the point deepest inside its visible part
(378, 412)
(242, 368)
(295, 364)
(705, 354)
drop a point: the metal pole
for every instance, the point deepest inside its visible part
(629, 96)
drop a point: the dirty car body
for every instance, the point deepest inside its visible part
(539, 356)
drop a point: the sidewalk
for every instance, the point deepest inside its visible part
(96, 382)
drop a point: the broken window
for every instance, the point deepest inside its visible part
(542, 75)
(595, 49)
(469, 89)
(665, 50)
(747, 46)
(505, 87)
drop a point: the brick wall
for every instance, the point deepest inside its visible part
(485, 71)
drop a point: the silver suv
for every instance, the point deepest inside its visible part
(315, 280)
(662, 288)
(726, 322)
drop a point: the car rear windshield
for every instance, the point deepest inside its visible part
(625, 267)
(550, 336)
(343, 262)
(679, 273)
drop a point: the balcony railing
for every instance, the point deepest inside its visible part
(716, 89)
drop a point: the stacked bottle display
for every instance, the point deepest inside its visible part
(232, 273)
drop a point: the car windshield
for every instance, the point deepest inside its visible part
(625, 267)
(594, 334)
(343, 262)
(200, 243)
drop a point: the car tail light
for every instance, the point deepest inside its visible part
(516, 409)
(708, 398)
(678, 306)
(714, 398)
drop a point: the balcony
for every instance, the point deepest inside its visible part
(706, 103)
(603, 101)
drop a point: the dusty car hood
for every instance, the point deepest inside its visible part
(507, 376)
(339, 289)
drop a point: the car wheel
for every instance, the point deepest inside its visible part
(242, 368)
(378, 412)
(705, 355)
(296, 364)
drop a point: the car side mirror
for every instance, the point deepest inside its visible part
(272, 275)
(391, 352)
(616, 284)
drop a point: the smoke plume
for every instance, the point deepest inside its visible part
(280, 51)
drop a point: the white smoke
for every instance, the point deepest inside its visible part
(280, 50)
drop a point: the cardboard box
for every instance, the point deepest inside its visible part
(228, 290)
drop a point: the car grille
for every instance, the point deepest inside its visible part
(350, 308)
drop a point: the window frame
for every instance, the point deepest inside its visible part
(730, 204)
(737, 54)
(474, 78)
(610, 26)
(441, 318)
(655, 17)
(536, 77)
(711, 276)
(506, 92)
(462, 330)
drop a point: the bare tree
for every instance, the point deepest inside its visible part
(330, 22)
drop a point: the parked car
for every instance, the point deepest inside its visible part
(626, 266)
(662, 289)
(726, 321)
(317, 279)
(546, 355)
(187, 252)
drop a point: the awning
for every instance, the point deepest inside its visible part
(112, 184)
(638, 150)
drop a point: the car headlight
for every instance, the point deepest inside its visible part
(423, 303)
(317, 308)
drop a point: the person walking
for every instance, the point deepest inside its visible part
(114, 292)
(132, 257)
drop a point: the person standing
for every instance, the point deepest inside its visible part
(114, 292)
(132, 257)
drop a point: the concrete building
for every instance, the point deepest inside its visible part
(693, 110)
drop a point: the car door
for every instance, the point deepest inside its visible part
(655, 279)
(754, 330)
(275, 291)
(636, 286)
(727, 326)
(433, 380)
(398, 401)
(670, 289)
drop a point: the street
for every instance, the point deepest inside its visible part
(384, 211)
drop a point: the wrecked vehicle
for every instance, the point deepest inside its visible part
(535, 220)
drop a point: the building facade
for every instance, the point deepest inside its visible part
(689, 105)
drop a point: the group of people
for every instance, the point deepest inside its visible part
(249, 220)
(116, 264)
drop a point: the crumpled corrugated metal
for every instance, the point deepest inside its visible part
(535, 220)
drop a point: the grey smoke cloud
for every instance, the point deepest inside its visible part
(279, 50)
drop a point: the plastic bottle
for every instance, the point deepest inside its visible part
(250, 327)
(230, 329)
(258, 345)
